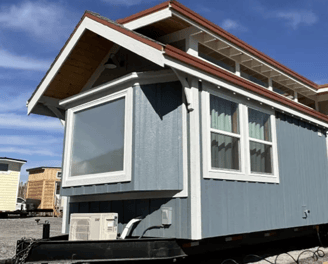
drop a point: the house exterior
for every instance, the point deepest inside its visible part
(9, 182)
(43, 188)
(164, 109)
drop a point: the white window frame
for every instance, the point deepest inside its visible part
(245, 173)
(106, 177)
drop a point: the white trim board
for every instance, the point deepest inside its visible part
(149, 19)
(119, 38)
(238, 89)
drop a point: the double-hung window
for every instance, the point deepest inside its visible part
(239, 139)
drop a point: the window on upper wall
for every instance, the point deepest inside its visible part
(239, 138)
(98, 147)
(216, 58)
(254, 76)
(3, 167)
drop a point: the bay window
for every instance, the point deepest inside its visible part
(239, 138)
(99, 135)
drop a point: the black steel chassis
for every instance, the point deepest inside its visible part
(59, 249)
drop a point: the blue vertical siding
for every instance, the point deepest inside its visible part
(149, 209)
(232, 207)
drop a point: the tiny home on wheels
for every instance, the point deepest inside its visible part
(9, 183)
(173, 119)
(43, 188)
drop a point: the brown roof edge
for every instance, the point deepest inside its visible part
(204, 66)
(201, 20)
(215, 28)
(144, 12)
(323, 86)
(123, 30)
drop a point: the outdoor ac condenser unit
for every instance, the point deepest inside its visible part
(97, 226)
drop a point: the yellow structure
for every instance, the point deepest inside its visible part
(9, 182)
(43, 187)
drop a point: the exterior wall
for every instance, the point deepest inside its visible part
(9, 181)
(150, 209)
(44, 174)
(157, 143)
(232, 207)
(8, 190)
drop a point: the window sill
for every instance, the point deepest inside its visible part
(240, 176)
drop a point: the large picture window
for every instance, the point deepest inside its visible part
(239, 139)
(99, 135)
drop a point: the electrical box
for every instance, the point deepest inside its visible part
(166, 215)
(95, 226)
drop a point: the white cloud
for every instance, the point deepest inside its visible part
(127, 2)
(295, 18)
(12, 61)
(45, 20)
(28, 151)
(29, 140)
(13, 103)
(230, 24)
(32, 122)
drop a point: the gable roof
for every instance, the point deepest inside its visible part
(95, 34)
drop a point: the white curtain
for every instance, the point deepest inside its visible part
(224, 115)
(260, 157)
(259, 125)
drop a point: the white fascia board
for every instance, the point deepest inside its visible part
(238, 89)
(144, 50)
(131, 78)
(240, 50)
(322, 90)
(14, 161)
(149, 19)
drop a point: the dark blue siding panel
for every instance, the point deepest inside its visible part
(157, 143)
(150, 209)
(231, 207)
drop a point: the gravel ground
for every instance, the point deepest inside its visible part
(13, 229)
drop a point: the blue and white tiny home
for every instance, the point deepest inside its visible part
(164, 109)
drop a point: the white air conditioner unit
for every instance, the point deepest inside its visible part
(97, 226)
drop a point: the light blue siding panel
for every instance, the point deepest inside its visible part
(230, 207)
(157, 137)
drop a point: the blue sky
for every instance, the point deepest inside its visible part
(33, 32)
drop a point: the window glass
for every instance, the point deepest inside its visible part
(259, 125)
(98, 139)
(3, 167)
(224, 115)
(261, 157)
(225, 152)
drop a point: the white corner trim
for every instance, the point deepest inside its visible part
(240, 90)
(144, 50)
(107, 177)
(149, 19)
(195, 166)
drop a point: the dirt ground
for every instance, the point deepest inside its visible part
(13, 229)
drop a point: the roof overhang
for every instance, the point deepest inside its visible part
(221, 41)
(111, 33)
(13, 160)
